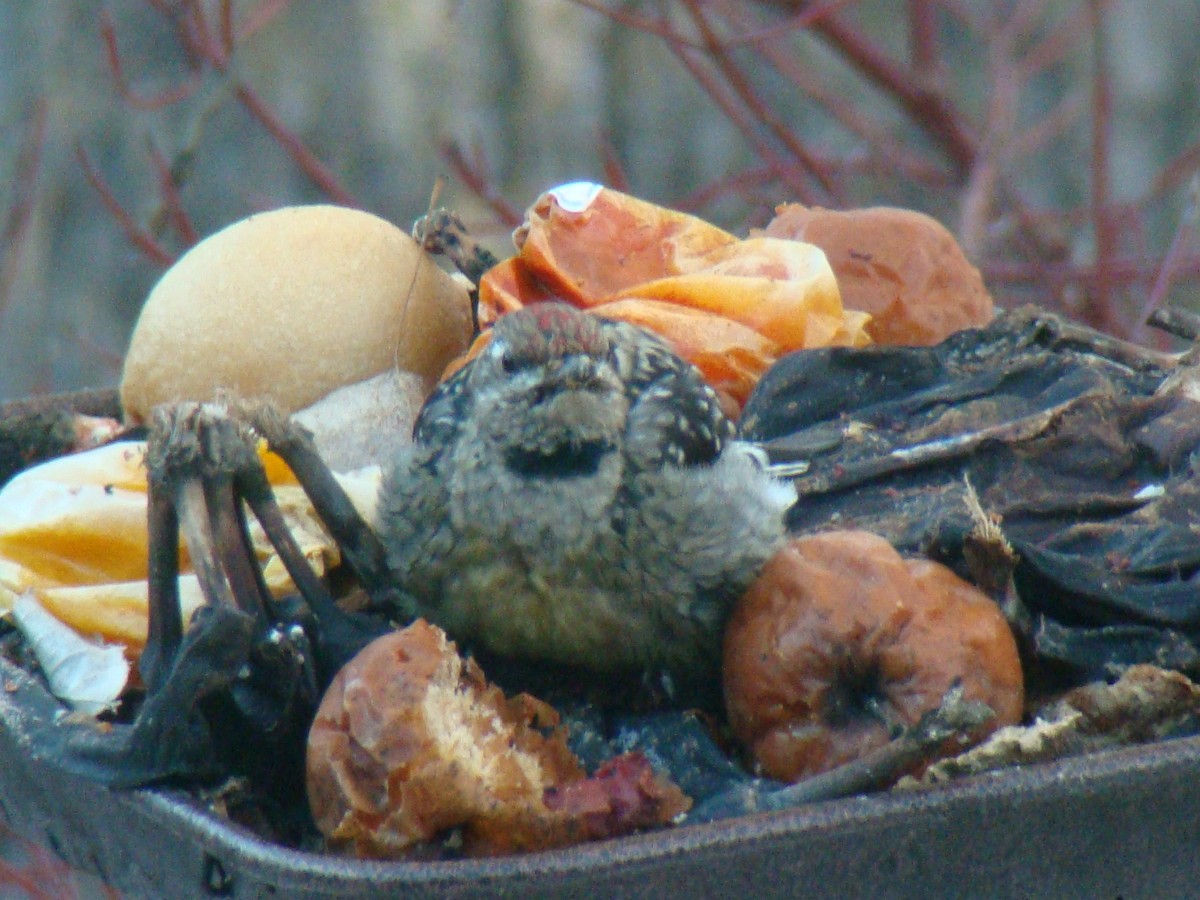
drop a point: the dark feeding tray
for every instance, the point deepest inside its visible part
(1117, 823)
(1112, 824)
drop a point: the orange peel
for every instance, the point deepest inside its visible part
(738, 304)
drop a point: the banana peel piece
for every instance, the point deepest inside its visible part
(73, 534)
(88, 675)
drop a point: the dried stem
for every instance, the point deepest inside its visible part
(953, 721)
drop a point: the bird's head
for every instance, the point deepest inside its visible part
(547, 392)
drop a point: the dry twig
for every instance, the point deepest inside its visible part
(206, 49)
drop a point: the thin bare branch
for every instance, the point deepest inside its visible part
(739, 183)
(930, 109)
(473, 172)
(1182, 241)
(1012, 25)
(15, 234)
(798, 21)
(172, 203)
(260, 17)
(1183, 166)
(614, 172)
(306, 161)
(1122, 271)
(228, 39)
(922, 37)
(116, 66)
(138, 236)
(1061, 40)
(659, 27)
(882, 146)
(107, 357)
(745, 92)
(203, 40)
(979, 197)
(1053, 124)
(728, 104)
(1099, 311)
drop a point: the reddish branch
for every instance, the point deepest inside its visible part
(1174, 173)
(798, 21)
(1183, 242)
(614, 172)
(742, 183)
(136, 99)
(1099, 311)
(981, 153)
(168, 189)
(207, 47)
(471, 169)
(889, 154)
(928, 107)
(965, 155)
(923, 37)
(306, 161)
(744, 91)
(145, 242)
(727, 102)
(1122, 271)
(16, 222)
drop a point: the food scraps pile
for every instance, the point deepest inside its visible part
(992, 525)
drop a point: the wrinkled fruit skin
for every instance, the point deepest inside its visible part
(411, 743)
(903, 267)
(841, 638)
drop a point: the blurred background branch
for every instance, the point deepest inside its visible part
(1056, 138)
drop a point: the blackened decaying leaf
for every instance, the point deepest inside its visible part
(42, 428)
(1081, 445)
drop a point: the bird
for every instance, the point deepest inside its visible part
(576, 495)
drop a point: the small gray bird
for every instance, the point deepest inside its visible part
(576, 495)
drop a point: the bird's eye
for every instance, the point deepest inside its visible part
(508, 363)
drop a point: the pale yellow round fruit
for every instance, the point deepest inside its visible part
(289, 305)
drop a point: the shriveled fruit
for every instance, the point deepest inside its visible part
(841, 640)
